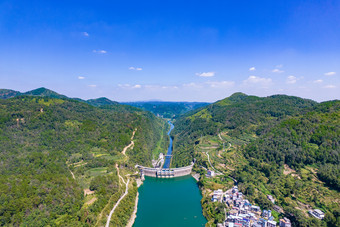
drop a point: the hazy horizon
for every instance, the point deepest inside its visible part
(159, 100)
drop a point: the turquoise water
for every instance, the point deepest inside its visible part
(169, 202)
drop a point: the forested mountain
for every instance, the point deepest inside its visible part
(167, 109)
(45, 141)
(282, 146)
(7, 93)
(101, 102)
(44, 92)
(240, 115)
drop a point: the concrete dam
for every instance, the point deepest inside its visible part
(165, 173)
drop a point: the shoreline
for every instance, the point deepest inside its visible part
(196, 176)
(133, 215)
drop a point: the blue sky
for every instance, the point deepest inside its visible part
(172, 50)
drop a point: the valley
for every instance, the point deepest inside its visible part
(279, 147)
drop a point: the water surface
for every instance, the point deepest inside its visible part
(169, 202)
(168, 158)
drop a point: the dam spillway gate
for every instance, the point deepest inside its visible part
(165, 172)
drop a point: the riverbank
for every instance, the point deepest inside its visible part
(133, 216)
(196, 176)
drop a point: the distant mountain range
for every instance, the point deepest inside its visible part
(44, 92)
(164, 109)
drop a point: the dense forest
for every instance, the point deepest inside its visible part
(52, 149)
(284, 146)
(240, 115)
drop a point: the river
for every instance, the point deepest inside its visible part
(168, 158)
(169, 202)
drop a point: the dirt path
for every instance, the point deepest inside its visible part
(120, 199)
(131, 144)
(91, 201)
(211, 164)
(132, 219)
(72, 175)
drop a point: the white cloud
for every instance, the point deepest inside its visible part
(277, 71)
(279, 66)
(136, 68)
(81, 77)
(291, 79)
(330, 74)
(129, 86)
(193, 85)
(92, 85)
(330, 86)
(221, 84)
(255, 80)
(100, 51)
(124, 85)
(252, 69)
(206, 74)
(85, 34)
(317, 81)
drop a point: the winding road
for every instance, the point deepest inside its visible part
(122, 179)
(120, 199)
(211, 164)
(131, 144)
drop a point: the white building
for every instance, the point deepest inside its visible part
(217, 196)
(271, 224)
(271, 199)
(317, 213)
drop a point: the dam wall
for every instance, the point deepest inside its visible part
(165, 173)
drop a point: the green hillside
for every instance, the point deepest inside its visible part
(44, 141)
(241, 116)
(282, 146)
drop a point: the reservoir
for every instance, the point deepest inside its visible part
(169, 202)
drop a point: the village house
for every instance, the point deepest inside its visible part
(271, 199)
(285, 222)
(217, 196)
(210, 173)
(271, 223)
